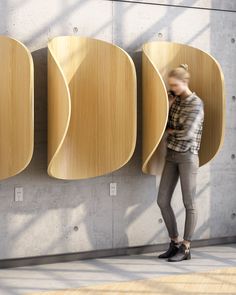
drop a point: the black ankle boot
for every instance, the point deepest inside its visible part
(183, 254)
(173, 249)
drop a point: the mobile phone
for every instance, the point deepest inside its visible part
(171, 92)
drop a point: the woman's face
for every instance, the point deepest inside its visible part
(176, 85)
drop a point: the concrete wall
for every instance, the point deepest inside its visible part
(44, 222)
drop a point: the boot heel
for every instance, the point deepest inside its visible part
(188, 256)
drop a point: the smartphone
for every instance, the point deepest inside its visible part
(171, 92)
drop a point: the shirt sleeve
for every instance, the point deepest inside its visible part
(168, 124)
(191, 119)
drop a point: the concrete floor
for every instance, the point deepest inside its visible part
(23, 280)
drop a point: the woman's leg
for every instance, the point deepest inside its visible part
(169, 178)
(188, 170)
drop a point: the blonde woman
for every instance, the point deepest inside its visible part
(184, 127)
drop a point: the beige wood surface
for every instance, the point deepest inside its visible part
(155, 114)
(207, 80)
(213, 282)
(92, 107)
(16, 107)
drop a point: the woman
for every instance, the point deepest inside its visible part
(184, 127)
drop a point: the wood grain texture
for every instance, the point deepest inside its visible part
(155, 114)
(16, 107)
(92, 107)
(207, 81)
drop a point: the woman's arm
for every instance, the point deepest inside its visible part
(171, 99)
(192, 117)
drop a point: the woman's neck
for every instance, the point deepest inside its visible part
(185, 94)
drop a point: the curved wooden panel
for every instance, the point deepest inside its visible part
(207, 80)
(91, 107)
(16, 107)
(155, 114)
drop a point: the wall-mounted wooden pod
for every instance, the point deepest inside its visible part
(207, 81)
(16, 107)
(92, 107)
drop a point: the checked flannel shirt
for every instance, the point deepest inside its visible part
(186, 117)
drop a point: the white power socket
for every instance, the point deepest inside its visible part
(18, 194)
(113, 189)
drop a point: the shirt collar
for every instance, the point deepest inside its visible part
(188, 98)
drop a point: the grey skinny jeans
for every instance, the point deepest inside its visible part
(184, 165)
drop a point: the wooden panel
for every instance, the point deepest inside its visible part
(91, 107)
(16, 107)
(155, 114)
(207, 80)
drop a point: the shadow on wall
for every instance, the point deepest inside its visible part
(51, 194)
(221, 213)
(70, 203)
(151, 34)
(207, 228)
(67, 11)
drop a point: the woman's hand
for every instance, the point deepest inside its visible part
(170, 131)
(171, 99)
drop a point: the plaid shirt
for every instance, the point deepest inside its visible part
(186, 117)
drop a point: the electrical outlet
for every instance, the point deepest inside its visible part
(113, 189)
(18, 194)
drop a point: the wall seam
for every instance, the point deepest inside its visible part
(174, 5)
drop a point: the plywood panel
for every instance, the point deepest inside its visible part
(92, 107)
(207, 80)
(155, 114)
(16, 107)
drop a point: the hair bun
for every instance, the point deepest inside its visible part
(185, 66)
